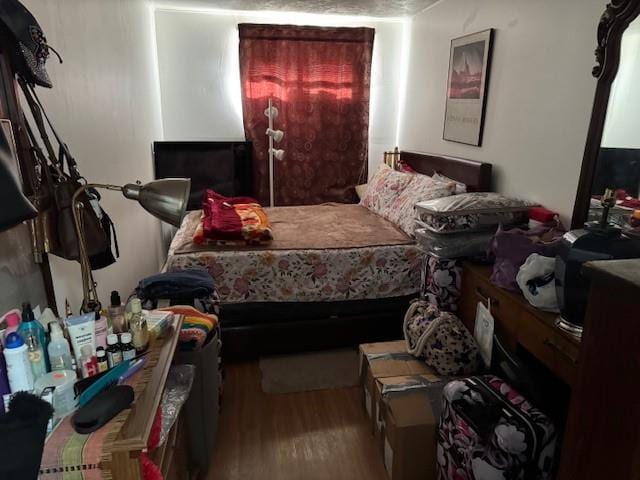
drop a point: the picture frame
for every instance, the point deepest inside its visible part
(467, 87)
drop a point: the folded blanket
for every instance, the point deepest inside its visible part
(196, 326)
(228, 219)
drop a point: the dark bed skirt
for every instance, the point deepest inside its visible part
(253, 329)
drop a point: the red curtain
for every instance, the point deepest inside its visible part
(319, 80)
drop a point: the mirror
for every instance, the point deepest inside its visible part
(618, 164)
(610, 176)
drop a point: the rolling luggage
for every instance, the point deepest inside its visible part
(488, 431)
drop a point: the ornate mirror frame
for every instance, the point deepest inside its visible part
(614, 21)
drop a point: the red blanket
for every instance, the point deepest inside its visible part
(232, 218)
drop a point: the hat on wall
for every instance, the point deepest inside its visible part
(27, 44)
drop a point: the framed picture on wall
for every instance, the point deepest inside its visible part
(469, 66)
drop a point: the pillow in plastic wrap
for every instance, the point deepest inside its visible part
(472, 212)
(470, 244)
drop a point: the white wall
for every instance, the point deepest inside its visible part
(540, 91)
(105, 105)
(200, 79)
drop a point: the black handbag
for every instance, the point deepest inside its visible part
(60, 179)
(16, 208)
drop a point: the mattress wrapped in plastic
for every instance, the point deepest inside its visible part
(470, 244)
(472, 212)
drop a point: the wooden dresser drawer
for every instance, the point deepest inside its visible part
(519, 324)
(548, 345)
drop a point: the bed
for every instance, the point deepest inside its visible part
(335, 274)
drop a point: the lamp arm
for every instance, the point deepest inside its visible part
(89, 293)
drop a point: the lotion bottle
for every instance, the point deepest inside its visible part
(18, 366)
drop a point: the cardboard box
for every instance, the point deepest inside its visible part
(411, 411)
(386, 387)
(385, 359)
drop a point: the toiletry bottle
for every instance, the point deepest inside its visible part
(116, 314)
(13, 323)
(101, 359)
(128, 350)
(30, 326)
(18, 366)
(82, 331)
(5, 389)
(59, 351)
(138, 327)
(114, 354)
(88, 362)
(36, 356)
(101, 330)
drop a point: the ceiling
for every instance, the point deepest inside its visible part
(369, 8)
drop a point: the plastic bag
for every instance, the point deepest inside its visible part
(454, 246)
(512, 247)
(176, 391)
(536, 279)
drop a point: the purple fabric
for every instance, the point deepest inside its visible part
(512, 247)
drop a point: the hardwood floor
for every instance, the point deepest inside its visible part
(310, 435)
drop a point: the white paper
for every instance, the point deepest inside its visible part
(483, 332)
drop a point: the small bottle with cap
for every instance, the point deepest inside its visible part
(114, 354)
(128, 350)
(116, 314)
(138, 327)
(101, 359)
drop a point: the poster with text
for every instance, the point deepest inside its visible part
(469, 64)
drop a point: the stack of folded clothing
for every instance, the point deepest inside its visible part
(450, 228)
(463, 225)
(232, 220)
(197, 327)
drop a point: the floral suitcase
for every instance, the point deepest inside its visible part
(488, 431)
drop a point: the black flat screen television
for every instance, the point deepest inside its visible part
(617, 168)
(225, 167)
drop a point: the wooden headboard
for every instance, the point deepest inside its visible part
(476, 175)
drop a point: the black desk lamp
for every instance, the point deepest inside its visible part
(165, 199)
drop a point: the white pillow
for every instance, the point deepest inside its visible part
(383, 189)
(460, 187)
(421, 188)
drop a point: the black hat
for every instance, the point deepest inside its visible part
(28, 45)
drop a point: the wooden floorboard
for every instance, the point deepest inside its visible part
(301, 436)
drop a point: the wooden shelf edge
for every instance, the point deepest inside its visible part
(134, 434)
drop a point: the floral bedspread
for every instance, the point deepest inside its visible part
(308, 275)
(320, 253)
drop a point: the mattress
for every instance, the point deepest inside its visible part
(320, 253)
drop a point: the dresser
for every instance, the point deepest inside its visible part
(518, 324)
(114, 451)
(602, 435)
